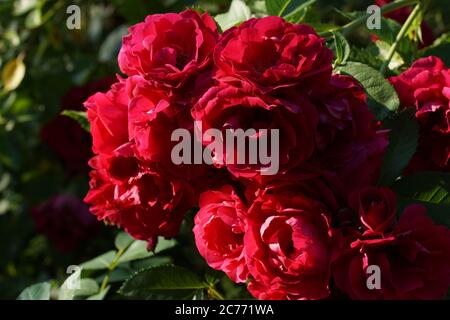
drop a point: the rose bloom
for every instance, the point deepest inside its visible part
(425, 87)
(270, 53)
(153, 116)
(376, 207)
(347, 140)
(65, 220)
(140, 199)
(170, 47)
(401, 15)
(219, 232)
(108, 116)
(413, 259)
(288, 247)
(226, 107)
(64, 135)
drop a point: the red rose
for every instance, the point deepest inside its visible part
(65, 136)
(401, 15)
(426, 88)
(219, 232)
(170, 47)
(65, 220)
(142, 200)
(226, 107)
(413, 260)
(108, 114)
(376, 207)
(347, 141)
(288, 247)
(270, 53)
(152, 117)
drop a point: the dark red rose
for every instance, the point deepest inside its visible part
(142, 200)
(169, 47)
(288, 247)
(311, 181)
(413, 260)
(219, 232)
(65, 136)
(226, 107)
(376, 207)
(401, 15)
(65, 220)
(347, 140)
(270, 53)
(426, 88)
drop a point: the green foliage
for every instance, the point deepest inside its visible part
(238, 12)
(383, 99)
(38, 291)
(164, 282)
(341, 47)
(431, 189)
(403, 139)
(40, 61)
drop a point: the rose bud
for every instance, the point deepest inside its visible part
(376, 207)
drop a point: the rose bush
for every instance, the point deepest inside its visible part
(361, 185)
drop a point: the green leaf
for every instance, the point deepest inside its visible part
(137, 250)
(284, 7)
(237, 13)
(163, 282)
(341, 48)
(88, 287)
(164, 244)
(123, 240)
(101, 262)
(22, 6)
(403, 138)
(38, 291)
(431, 189)
(382, 96)
(396, 60)
(33, 19)
(79, 116)
(101, 295)
(13, 73)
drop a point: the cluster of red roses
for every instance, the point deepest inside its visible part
(306, 233)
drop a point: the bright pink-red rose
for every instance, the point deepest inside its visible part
(219, 232)
(401, 15)
(65, 220)
(142, 200)
(226, 107)
(413, 260)
(288, 247)
(153, 115)
(169, 47)
(108, 117)
(64, 135)
(426, 88)
(376, 207)
(270, 53)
